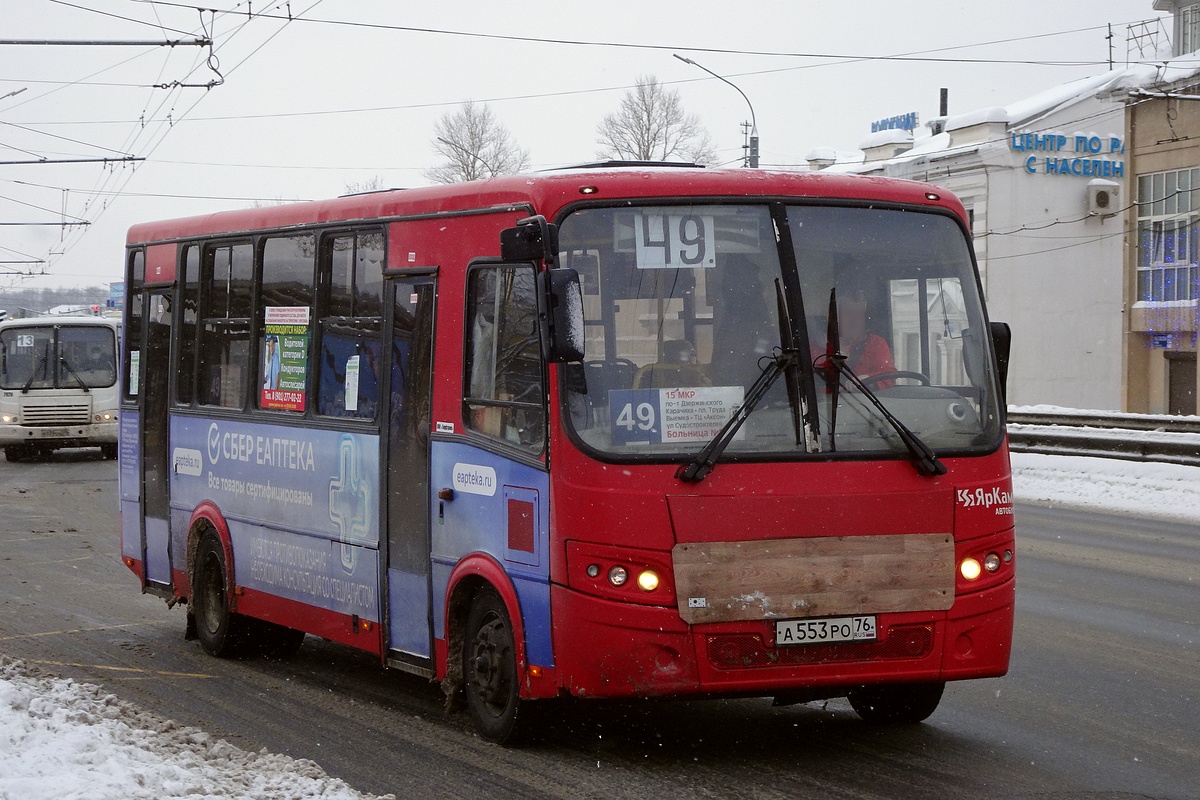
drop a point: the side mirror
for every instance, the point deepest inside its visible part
(561, 299)
(533, 239)
(1002, 342)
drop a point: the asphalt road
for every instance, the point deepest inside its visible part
(1102, 701)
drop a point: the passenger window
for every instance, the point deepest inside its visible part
(285, 320)
(185, 380)
(504, 394)
(351, 325)
(225, 327)
(133, 324)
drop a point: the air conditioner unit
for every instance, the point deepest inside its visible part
(1103, 199)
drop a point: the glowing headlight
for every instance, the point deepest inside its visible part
(970, 569)
(648, 580)
(7, 418)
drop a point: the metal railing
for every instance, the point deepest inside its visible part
(1132, 437)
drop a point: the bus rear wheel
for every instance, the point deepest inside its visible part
(221, 632)
(902, 703)
(490, 680)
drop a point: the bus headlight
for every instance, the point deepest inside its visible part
(8, 418)
(970, 569)
(618, 575)
(992, 562)
(648, 580)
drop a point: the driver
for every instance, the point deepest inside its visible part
(867, 353)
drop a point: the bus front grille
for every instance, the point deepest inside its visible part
(748, 650)
(56, 413)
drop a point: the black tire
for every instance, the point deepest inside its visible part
(903, 703)
(109, 451)
(221, 633)
(490, 683)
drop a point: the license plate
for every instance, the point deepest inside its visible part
(790, 632)
(54, 433)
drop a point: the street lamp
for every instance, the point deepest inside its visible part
(752, 156)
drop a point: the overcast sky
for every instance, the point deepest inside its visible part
(349, 91)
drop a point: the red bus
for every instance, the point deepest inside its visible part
(617, 431)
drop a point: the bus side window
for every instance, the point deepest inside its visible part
(351, 325)
(188, 322)
(133, 324)
(504, 396)
(285, 321)
(225, 326)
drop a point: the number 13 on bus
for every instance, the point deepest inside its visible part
(625, 431)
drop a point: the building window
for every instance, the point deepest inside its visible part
(1167, 247)
(1189, 29)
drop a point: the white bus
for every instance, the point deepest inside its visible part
(58, 385)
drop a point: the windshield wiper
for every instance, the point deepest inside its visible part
(33, 372)
(924, 459)
(706, 459)
(785, 362)
(74, 374)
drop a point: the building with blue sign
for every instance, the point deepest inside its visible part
(1054, 185)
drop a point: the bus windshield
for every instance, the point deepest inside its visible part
(682, 312)
(57, 357)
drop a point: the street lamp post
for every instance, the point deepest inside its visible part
(752, 155)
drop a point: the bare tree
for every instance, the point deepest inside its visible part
(374, 184)
(475, 145)
(651, 125)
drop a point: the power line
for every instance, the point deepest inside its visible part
(108, 42)
(660, 47)
(73, 160)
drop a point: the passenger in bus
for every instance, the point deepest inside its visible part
(676, 369)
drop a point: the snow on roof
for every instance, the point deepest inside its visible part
(1028, 110)
(884, 137)
(994, 114)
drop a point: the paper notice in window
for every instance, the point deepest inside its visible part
(352, 383)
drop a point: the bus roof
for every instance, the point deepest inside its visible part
(65, 319)
(547, 193)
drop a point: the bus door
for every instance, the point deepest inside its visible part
(406, 460)
(156, 468)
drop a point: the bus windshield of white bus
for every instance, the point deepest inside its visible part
(60, 356)
(682, 313)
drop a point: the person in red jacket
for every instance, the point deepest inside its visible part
(867, 354)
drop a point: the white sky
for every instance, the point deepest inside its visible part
(307, 108)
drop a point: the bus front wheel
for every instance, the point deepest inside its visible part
(219, 630)
(490, 681)
(902, 703)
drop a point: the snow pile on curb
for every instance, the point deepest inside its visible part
(64, 740)
(1147, 489)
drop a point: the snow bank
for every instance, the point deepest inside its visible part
(1164, 491)
(69, 741)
